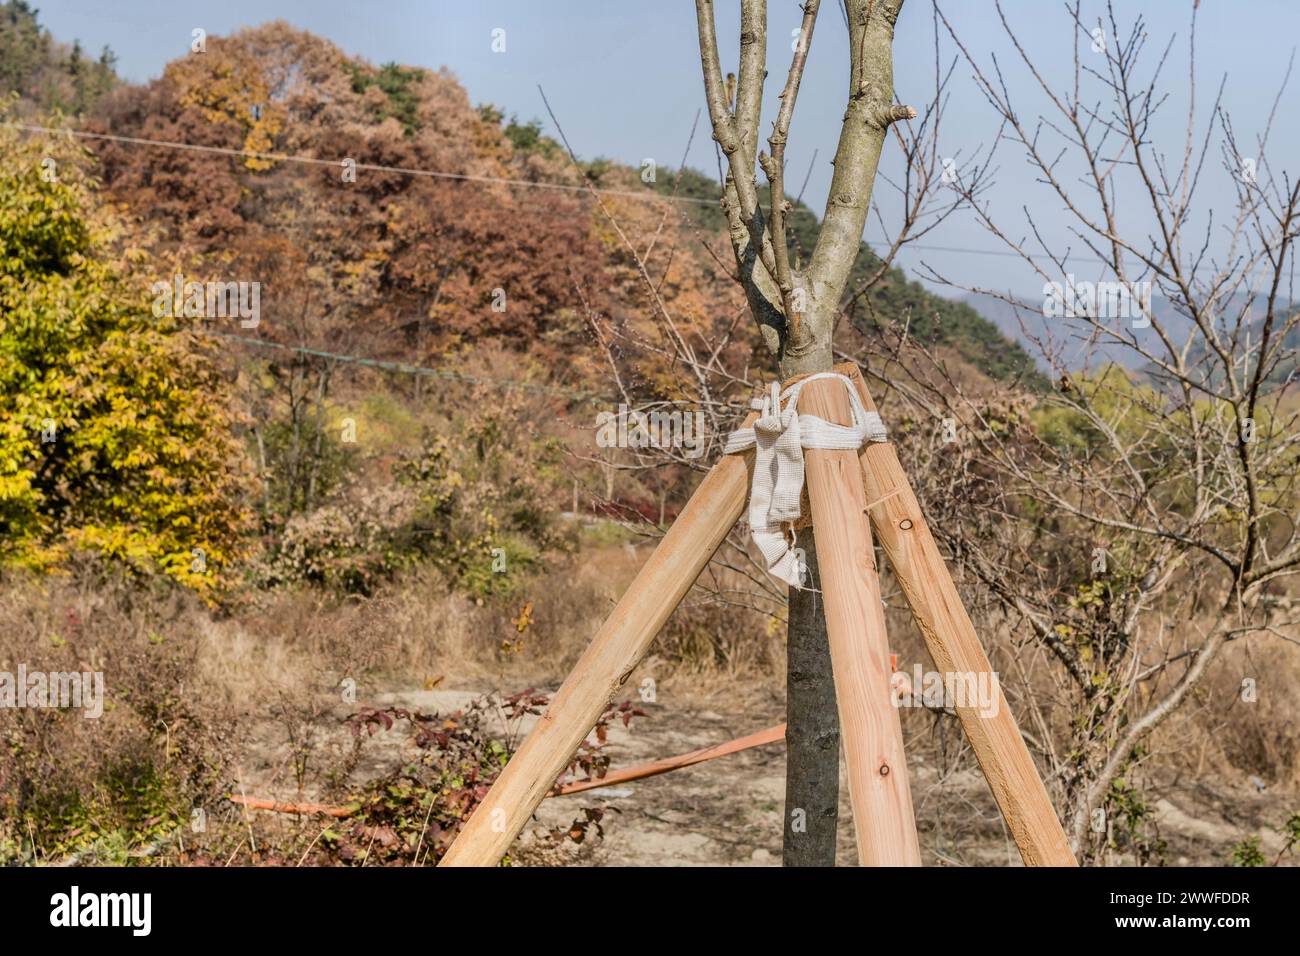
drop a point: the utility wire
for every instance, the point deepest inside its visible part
(407, 368)
(465, 177)
(316, 161)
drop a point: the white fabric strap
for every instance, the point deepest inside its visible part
(778, 438)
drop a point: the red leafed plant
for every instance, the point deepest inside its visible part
(591, 759)
(411, 814)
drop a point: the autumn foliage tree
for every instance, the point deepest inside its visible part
(114, 436)
(426, 239)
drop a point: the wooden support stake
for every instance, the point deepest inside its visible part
(655, 767)
(855, 625)
(955, 649)
(615, 651)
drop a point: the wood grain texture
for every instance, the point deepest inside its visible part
(607, 663)
(955, 648)
(855, 624)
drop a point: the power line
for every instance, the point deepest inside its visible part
(504, 383)
(465, 177)
(370, 167)
(409, 369)
(462, 177)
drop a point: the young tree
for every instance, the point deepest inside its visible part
(1128, 500)
(795, 306)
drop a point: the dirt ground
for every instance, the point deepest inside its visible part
(728, 812)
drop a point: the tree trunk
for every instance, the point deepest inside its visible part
(812, 750)
(795, 312)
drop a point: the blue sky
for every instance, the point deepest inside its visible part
(624, 79)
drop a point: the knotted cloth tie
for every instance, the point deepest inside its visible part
(778, 438)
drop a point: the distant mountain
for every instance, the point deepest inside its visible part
(1073, 345)
(1065, 341)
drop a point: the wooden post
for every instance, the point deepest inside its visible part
(955, 649)
(610, 659)
(855, 626)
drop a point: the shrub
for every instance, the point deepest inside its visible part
(412, 813)
(114, 437)
(349, 546)
(473, 502)
(72, 784)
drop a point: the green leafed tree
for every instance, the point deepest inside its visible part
(114, 430)
(48, 75)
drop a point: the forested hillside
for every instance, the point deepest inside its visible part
(48, 75)
(421, 255)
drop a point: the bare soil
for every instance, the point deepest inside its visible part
(728, 812)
